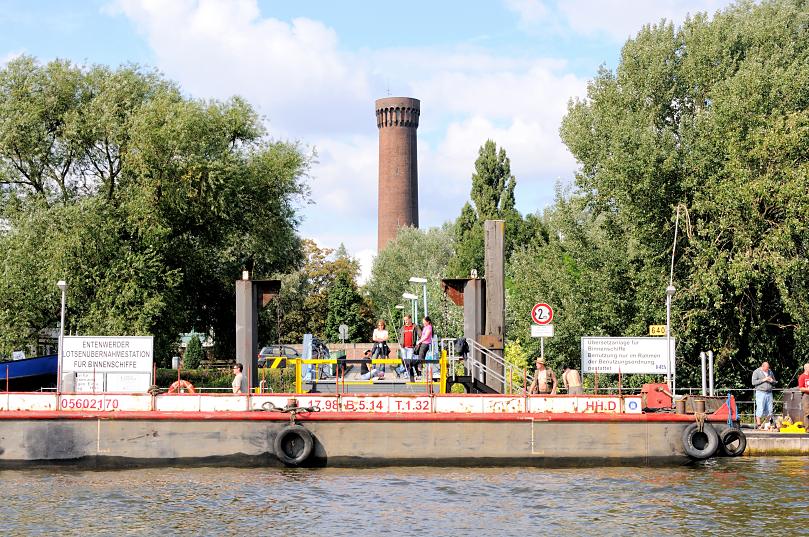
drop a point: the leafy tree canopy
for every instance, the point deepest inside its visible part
(422, 253)
(316, 298)
(148, 203)
(492, 199)
(710, 117)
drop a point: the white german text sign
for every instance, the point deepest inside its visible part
(124, 361)
(645, 355)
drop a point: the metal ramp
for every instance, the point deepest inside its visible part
(480, 369)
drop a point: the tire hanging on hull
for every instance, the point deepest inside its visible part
(726, 440)
(700, 444)
(293, 444)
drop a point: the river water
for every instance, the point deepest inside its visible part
(723, 496)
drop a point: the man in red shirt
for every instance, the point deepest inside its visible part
(407, 340)
(803, 385)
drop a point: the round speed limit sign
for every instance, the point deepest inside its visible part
(542, 314)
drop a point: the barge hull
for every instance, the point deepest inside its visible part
(248, 440)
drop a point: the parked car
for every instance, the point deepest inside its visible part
(268, 354)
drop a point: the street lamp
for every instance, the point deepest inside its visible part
(400, 307)
(423, 282)
(414, 299)
(669, 293)
(61, 284)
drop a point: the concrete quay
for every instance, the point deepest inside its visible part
(767, 443)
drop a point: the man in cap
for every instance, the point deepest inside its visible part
(543, 377)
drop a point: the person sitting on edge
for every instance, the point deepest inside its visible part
(572, 381)
(370, 371)
(803, 386)
(424, 341)
(238, 379)
(407, 342)
(542, 376)
(762, 381)
(364, 366)
(380, 339)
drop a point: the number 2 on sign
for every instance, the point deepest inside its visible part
(542, 313)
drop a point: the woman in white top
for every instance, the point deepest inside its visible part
(381, 350)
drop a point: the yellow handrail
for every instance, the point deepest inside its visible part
(314, 361)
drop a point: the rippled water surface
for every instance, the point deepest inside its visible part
(724, 496)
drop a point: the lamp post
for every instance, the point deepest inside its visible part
(423, 282)
(669, 293)
(414, 299)
(61, 284)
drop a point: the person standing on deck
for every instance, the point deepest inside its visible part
(803, 386)
(407, 342)
(572, 381)
(425, 340)
(238, 379)
(381, 350)
(542, 377)
(762, 380)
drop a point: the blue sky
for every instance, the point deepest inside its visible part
(497, 69)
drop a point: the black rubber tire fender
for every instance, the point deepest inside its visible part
(728, 436)
(293, 445)
(700, 445)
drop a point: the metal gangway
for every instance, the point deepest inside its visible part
(480, 369)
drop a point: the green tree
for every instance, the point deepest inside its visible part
(585, 271)
(149, 203)
(305, 303)
(422, 253)
(346, 307)
(492, 199)
(193, 353)
(710, 117)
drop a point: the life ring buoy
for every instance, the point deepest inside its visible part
(182, 386)
(698, 444)
(728, 438)
(293, 445)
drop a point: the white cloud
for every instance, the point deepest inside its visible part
(528, 10)
(620, 19)
(296, 73)
(614, 19)
(293, 70)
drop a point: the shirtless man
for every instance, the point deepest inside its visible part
(572, 381)
(542, 377)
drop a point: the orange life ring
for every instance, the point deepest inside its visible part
(182, 386)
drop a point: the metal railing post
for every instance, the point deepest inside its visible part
(298, 378)
(704, 383)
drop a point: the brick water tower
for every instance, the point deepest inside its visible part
(397, 119)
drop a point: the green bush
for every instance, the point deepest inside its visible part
(193, 353)
(278, 380)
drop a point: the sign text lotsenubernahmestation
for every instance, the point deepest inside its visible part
(108, 354)
(626, 355)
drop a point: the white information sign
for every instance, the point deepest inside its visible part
(128, 382)
(89, 382)
(626, 355)
(125, 362)
(542, 330)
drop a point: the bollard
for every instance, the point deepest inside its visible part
(699, 406)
